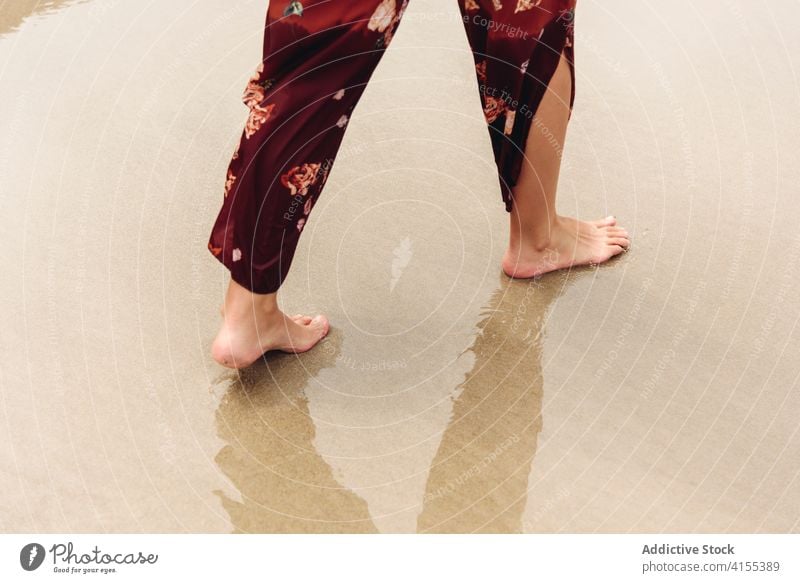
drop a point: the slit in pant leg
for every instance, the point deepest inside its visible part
(514, 72)
(556, 44)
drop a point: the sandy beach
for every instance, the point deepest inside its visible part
(656, 393)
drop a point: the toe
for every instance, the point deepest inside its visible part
(321, 322)
(301, 319)
(609, 221)
(621, 241)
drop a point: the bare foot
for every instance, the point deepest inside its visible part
(253, 324)
(570, 243)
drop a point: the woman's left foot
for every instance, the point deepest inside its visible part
(570, 243)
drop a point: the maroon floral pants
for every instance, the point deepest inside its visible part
(318, 58)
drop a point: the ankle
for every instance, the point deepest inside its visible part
(533, 235)
(239, 313)
(538, 240)
(537, 235)
(241, 303)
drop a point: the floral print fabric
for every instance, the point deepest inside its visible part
(318, 58)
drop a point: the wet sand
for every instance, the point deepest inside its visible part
(656, 393)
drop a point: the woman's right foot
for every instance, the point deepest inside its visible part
(569, 243)
(253, 324)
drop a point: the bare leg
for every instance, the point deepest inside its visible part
(253, 324)
(540, 239)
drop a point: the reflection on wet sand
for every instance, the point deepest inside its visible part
(14, 12)
(285, 485)
(671, 402)
(479, 477)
